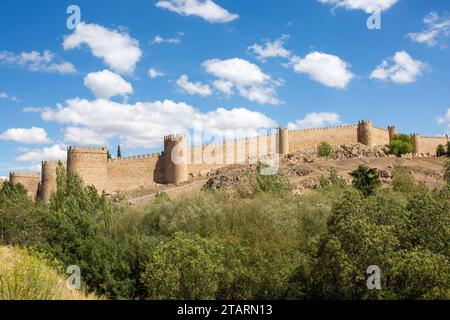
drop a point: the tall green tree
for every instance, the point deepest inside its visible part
(119, 152)
(366, 179)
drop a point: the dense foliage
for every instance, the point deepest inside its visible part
(265, 244)
(325, 150)
(401, 144)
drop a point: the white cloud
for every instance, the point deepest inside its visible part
(84, 136)
(206, 9)
(153, 73)
(271, 49)
(368, 6)
(401, 69)
(236, 70)
(316, 120)
(106, 84)
(117, 49)
(224, 86)
(445, 120)
(145, 123)
(158, 39)
(250, 81)
(28, 136)
(4, 95)
(36, 61)
(330, 70)
(193, 88)
(436, 28)
(36, 156)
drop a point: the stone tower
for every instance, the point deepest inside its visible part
(392, 132)
(416, 143)
(176, 159)
(29, 180)
(283, 141)
(365, 133)
(90, 163)
(48, 181)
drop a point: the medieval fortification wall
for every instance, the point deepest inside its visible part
(179, 161)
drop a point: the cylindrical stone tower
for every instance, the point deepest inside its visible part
(365, 133)
(283, 141)
(90, 163)
(392, 133)
(176, 159)
(29, 180)
(48, 181)
(416, 143)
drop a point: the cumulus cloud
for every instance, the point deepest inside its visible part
(145, 123)
(36, 156)
(117, 49)
(401, 69)
(271, 49)
(36, 61)
(368, 6)
(316, 120)
(106, 84)
(28, 136)
(153, 73)
(330, 70)
(206, 9)
(193, 88)
(435, 28)
(158, 39)
(250, 81)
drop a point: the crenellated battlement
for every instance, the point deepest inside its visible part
(88, 149)
(136, 157)
(174, 137)
(14, 174)
(178, 160)
(344, 126)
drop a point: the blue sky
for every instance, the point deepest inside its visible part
(134, 71)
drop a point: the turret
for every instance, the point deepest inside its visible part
(48, 180)
(283, 141)
(416, 143)
(29, 180)
(90, 163)
(176, 159)
(365, 133)
(392, 133)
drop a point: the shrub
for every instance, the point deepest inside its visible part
(440, 151)
(25, 276)
(366, 179)
(402, 180)
(333, 180)
(401, 144)
(325, 150)
(447, 172)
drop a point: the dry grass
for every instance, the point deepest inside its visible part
(28, 277)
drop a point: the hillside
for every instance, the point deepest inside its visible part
(304, 170)
(24, 276)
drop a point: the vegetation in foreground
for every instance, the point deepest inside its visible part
(258, 242)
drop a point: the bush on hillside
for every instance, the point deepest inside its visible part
(325, 150)
(401, 144)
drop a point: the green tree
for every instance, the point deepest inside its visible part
(440, 151)
(401, 144)
(109, 155)
(325, 150)
(185, 268)
(448, 149)
(402, 180)
(119, 152)
(366, 179)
